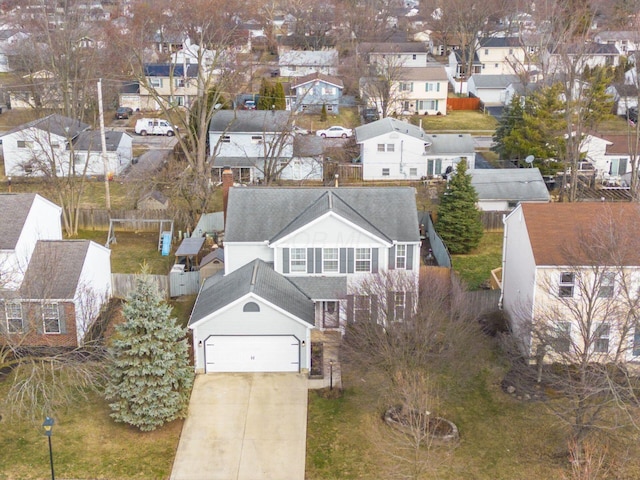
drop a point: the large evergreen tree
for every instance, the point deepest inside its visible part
(150, 377)
(459, 223)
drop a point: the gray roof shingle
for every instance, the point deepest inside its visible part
(250, 121)
(515, 184)
(54, 270)
(261, 214)
(388, 125)
(91, 141)
(257, 277)
(14, 209)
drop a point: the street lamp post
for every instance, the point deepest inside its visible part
(48, 430)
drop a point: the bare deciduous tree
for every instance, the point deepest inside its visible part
(585, 322)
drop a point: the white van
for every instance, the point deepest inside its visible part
(155, 126)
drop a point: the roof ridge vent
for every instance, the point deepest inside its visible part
(330, 201)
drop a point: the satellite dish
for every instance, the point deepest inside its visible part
(530, 160)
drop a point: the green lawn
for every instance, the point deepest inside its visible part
(132, 250)
(475, 267)
(459, 120)
(86, 444)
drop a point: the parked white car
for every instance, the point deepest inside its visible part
(335, 132)
(155, 126)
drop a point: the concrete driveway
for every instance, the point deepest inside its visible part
(244, 427)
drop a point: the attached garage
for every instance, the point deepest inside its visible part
(252, 353)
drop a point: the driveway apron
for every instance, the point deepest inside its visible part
(243, 426)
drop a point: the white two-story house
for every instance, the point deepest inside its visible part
(41, 147)
(406, 54)
(570, 278)
(391, 149)
(502, 55)
(248, 141)
(407, 91)
(295, 263)
(173, 84)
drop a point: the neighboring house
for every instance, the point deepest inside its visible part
(88, 157)
(391, 149)
(64, 288)
(129, 96)
(624, 97)
(419, 90)
(243, 139)
(8, 40)
(295, 261)
(172, 84)
(407, 54)
(25, 218)
(299, 63)
(491, 89)
(626, 41)
(40, 147)
(548, 272)
(38, 90)
(610, 155)
(316, 90)
(503, 189)
(457, 71)
(589, 55)
(501, 55)
(52, 289)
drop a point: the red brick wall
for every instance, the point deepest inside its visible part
(32, 321)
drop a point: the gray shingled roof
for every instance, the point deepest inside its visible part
(250, 121)
(54, 269)
(450, 143)
(308, 146)
(393, 47)
(55, 124)
(259, 214)
(320, 58)
(14, 209)
(388, 125)
(435, 72)
(256, 277)
(91, 141)
(499, 42)
(322, 288)
(521, 184)
(495, 81)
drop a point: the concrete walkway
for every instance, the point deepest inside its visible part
(244, 427)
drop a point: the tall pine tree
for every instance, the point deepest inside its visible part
(150, 377)
(459, 223)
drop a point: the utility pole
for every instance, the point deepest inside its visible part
(103, 139)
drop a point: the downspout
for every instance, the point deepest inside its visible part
(504, 256)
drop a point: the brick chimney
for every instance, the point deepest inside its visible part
(227, 183)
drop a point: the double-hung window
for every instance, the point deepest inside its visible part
(155, 82)
(361, 308)
(607, 284)
(636, 342)
(601, 338)
(298, 260)
(401, 256)
(399, 302)
(51, 318)
(13, 312)
(363, 259)
(567, 283)
(562, 337)
(330, 260)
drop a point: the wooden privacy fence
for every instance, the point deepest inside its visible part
(492, 221)
(98, 219)
(173, 285)
(125, 283)
(463, 103)
(483, 301)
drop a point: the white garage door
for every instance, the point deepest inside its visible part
(252, 353)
